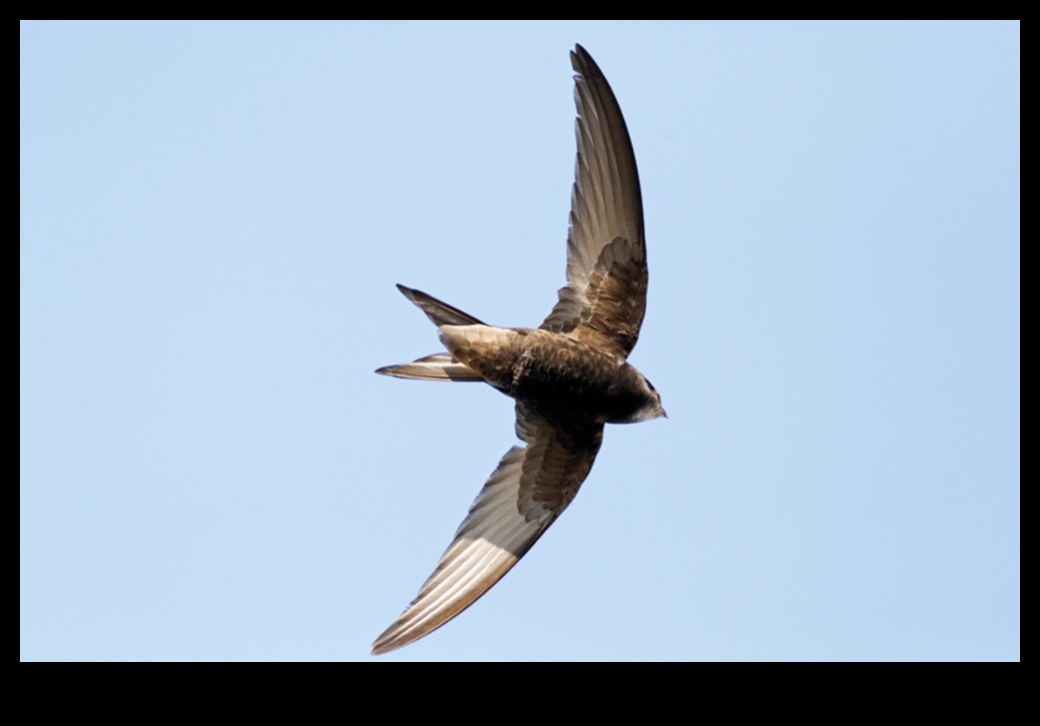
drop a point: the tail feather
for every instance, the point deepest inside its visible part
(440, 313)
(439, 366)
(436, 367)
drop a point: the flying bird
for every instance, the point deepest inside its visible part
(569, 376)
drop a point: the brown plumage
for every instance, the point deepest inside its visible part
(569, 376)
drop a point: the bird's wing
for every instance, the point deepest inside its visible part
(531, 487)
(605, 297)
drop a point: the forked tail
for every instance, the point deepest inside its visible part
(439, 366)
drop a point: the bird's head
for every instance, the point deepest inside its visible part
(652, 408)
(642, 401)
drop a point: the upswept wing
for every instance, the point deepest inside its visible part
(530, 488)
(605, 298)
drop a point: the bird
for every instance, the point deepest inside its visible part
(569, 376)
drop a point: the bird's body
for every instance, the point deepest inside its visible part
(556, 376)
(569, 376)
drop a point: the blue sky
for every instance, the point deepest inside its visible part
(213, 217)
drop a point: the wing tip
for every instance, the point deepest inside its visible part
(582, 62)
(398, 635)
(401, 634)
(381, 648)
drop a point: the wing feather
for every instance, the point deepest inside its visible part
(529, 489)
(605, 298)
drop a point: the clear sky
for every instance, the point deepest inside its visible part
(213, 217)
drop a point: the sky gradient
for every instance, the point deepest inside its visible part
(213, 218)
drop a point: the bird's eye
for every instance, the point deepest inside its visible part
(651, 385)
